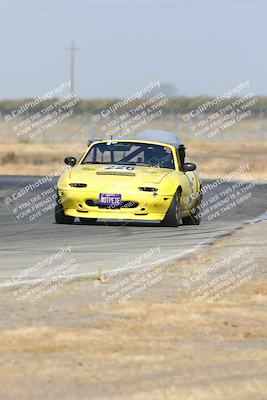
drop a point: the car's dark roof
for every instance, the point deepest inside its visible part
(158, 136)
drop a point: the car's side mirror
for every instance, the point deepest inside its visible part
(189, 167)
(70, 161)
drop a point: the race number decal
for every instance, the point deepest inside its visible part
(119, 168)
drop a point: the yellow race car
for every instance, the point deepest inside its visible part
(145, 178)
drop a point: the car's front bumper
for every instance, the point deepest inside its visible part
(150, 207)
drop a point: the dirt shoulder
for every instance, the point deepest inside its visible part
(168, 342)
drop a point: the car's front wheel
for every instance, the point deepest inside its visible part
(60, 216)
(194, 218)
(173, 216)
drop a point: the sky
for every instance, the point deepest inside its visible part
(202, 47)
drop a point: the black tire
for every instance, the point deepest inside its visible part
(194, 218)
(173, 216)
(87, 221)
(60, 216)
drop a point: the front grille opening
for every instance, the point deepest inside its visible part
(92, 203)
(125, 204)
(130, 204)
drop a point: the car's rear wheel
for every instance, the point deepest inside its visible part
(173, 216)
(87, 221)
(60, 216)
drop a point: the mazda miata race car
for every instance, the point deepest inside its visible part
(145, 178)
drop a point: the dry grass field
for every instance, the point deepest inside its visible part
(213, 160)
(215, 157)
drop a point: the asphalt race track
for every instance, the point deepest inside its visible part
(27, 237)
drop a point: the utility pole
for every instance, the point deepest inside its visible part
(72, 50)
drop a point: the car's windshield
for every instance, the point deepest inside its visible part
(130, 153)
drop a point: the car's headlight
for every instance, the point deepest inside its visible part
(78, 185)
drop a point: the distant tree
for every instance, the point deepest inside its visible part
(168, 89)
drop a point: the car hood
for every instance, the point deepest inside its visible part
(126, 175)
